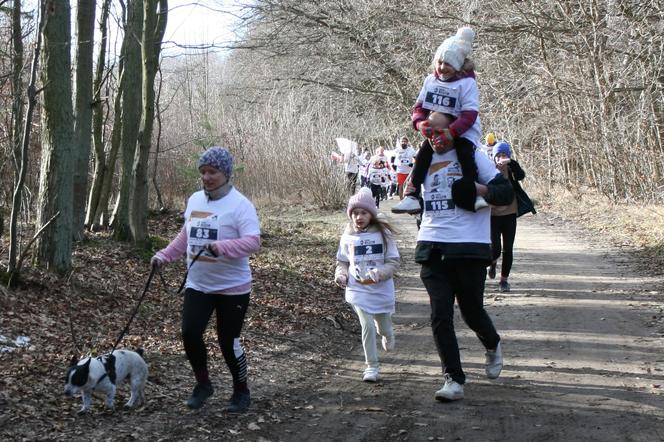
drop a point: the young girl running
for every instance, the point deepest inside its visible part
(366, 261)
(451, 89)
(377, 178)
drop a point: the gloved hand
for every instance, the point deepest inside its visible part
(341, 280)
(156, 262)
(425, 128)
(377, 275)
(442, 138)
(211, 249)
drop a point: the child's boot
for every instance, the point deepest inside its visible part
(480, 203)
(409, 204)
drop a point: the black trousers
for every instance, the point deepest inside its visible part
(351, 182)
(505, 227)
(461, 279)
(377, 192)
(196, 312)
(465, 150)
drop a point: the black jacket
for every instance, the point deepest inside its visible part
(523, 202)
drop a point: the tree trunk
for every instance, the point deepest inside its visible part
(98, 121)
(154, 25)
(131, 115)
(101, 216)
(85, 25)
(56, 174)
(17, 86)
(25, 142)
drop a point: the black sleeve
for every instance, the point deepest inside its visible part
(500, 191)
(517, 171)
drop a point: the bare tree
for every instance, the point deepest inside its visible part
(25, 142)
(132, 75)
(85, 21)
(56, 182)
(155, 13)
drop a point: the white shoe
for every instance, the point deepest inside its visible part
(451, 391)
(480, 203)
(388, 343)
(371, 375)
(494, 362)
(409, 204)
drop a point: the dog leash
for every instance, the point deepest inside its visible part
(145, 291)
(184, 280)
(138, 304)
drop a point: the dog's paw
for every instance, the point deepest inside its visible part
(83, 411)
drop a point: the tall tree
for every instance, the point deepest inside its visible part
(155, 13)
(17, 82)
(101, 166)
(85, 23)
(56, 174)
(131, 114)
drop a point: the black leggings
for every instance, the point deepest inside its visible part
(377, 192)
(506, 226)
(465, 151)
(196, 312)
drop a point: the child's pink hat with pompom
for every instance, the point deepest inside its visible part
(364, 200)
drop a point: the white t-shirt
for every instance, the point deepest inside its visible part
(364, 251)
(441, 220)
(404, 159)
(230, 217)
(351, 163)
(377, 176)
(453, 97)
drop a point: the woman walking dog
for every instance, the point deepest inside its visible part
(221, 231)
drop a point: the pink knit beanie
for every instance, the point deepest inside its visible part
(364, 200)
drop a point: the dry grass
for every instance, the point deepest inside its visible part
(638, 228)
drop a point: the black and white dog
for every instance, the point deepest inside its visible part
(104, 373)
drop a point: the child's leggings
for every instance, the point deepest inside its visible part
(376, 191)
(369, 323)
(465, 150)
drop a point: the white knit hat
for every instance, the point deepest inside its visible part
(362, 199)
(454, 50)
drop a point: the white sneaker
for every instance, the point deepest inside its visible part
(494, 362)
(388, 343)
(371, 375)
(451, 391)
(480, 203)
(409, 204)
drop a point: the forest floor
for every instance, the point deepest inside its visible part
(582, 330)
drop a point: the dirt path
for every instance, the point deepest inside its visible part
(583, 338)
(584, 358)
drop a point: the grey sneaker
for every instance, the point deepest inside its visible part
(409, 204)
(199, 395)
(371, 375)
(494, 362)
(504, 286)
(239, 402)
(451, 391)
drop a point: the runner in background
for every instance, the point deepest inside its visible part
(402, 163)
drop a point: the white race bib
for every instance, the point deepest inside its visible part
(202, 228)
(441, 98)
